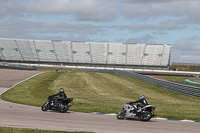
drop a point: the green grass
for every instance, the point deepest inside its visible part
(185, 68)
(34, 91)
(22, 130)
(103, 92)
(177, 78)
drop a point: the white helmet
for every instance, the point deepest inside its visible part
(61, 90)
(141, 97)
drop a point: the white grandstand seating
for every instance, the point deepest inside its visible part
(84, 52)
(155, 55)
(27, 49)
(81, 52)
(116, 53)
(98, 52)
(63, 51)
(166, 55)
(45, 51)
(148, 55)
(135, 53)
(158, 54)
(122, 57)
(9, 50)
(1, 55)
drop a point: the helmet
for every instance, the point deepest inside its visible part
(141, 97)
(61, 90)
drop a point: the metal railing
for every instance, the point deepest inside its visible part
(173, 86)
(16, 66)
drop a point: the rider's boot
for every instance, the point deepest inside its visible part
(139, 109)
(61, 105)
(70, 105)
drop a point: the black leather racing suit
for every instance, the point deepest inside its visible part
(62, 96)
(142, 101)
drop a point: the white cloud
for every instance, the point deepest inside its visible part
(82, 10)
(144, 9)
(188, 44)
(9, 8)
(186, 50)
(35, 29)
(149, 1)
(62, 27)
(144, 39)
(163, 26)
(127, 21)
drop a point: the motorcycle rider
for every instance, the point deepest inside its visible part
(61, 94)
(143, 102)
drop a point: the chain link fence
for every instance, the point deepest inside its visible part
(173, 86)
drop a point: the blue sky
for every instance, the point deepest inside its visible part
(174, 22)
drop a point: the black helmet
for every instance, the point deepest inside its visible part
(61, 90)
(141, 97)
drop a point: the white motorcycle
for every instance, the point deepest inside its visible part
(144, 113)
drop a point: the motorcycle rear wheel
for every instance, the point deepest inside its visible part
(64, 109)
(121, 115)
(145, 116)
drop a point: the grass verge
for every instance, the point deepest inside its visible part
(177, 78)
(103, 92)
(185, 68)
(22, 130)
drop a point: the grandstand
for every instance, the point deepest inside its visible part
(90, 53)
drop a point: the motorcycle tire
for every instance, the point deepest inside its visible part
(121, 115)
(64, 109)
(145, 116)
(45, 106)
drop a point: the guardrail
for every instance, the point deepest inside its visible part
(16, 66)
(176, 87)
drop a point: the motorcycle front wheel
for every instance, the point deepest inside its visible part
(45, 106)
(121, 114)
(145, 116)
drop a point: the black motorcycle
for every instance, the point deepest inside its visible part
(56, 104)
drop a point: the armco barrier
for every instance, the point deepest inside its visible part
(176, 87)
(13, 66)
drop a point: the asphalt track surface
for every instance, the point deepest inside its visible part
(24, 116)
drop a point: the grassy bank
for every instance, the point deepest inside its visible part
(22, 130)
(177, 78)
(185, 68)
(103, 92)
